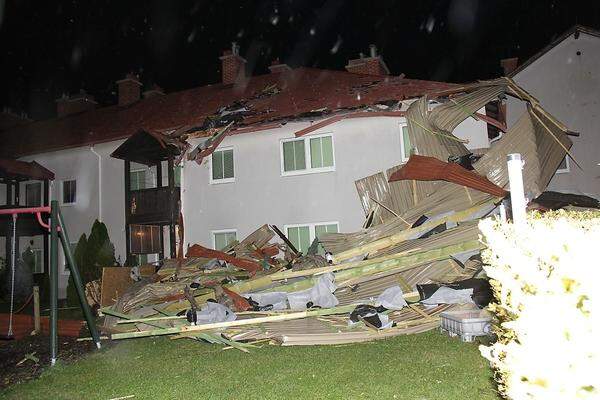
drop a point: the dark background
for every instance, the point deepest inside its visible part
(54, 47)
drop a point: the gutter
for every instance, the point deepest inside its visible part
(99, 182)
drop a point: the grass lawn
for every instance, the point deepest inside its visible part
(424, 366)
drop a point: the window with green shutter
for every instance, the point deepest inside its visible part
(222, 166)
(38, 265)
(307, 155)
(321, 152)
(302, 236)
(137, 180)
(177, 170)
(406, 148)
(223, 239)
(294, 157)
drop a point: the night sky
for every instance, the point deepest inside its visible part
(54, 47)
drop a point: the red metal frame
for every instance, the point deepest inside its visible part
(29, 210)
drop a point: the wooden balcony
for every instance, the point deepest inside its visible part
(153, 206)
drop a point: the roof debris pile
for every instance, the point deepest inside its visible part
(420, 229)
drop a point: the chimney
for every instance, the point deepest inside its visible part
(372, 65)
(130, 89)
(277, 67)
(154, 91)
(68, 105)
(509, 65)
(233, 67)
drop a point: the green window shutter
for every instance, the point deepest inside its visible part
(321, 152)
(406, 143)
(293, 155)
(299, 154)
(300, 237)
(304, 235)
(288, 156)
(228, 164)
(38, 267)
(292, 234)
(177, 173)
(316, 155)
(321, 229)
(217, 165)
(327, 149)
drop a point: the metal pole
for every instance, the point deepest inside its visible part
(517, 193)
(87, 312)
(53, 282)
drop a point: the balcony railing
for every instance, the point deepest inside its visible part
(151, 206)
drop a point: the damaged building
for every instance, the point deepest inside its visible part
(289, 148)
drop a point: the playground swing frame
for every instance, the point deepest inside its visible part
(58, 231)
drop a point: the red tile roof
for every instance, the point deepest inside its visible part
(302, 90)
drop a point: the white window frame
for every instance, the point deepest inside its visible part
(403, 156)
(63, 265)
(210, 168)
(62, 192)
(568, 166)
(311, 228)
(307, 157)
(212, 233)
(146, 171)
(35, 250)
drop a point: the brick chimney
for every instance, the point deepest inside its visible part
(372, 65)
(233, 67)
(154, 91)
(68, 105)
(130, 89)
(277, 67)
(509, 65)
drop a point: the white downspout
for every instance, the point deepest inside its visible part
(99, 182)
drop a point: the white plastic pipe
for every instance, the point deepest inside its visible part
(99, 182)
(517, 193)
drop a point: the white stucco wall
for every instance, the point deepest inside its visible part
(568, 86)
(260, 194)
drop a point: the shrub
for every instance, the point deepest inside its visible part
(546, 280)
(91, 255)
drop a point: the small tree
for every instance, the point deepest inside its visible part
(91, 255)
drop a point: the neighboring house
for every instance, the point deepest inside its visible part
(565, 77)
(305, 136)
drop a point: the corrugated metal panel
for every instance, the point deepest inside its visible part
(424, 168)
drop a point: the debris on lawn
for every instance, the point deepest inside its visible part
(417, 256)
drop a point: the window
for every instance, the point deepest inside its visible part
(66, 270)
(142, 259)
(406, 148)
(38, 257)
(303, 235)
(223, 238)
(564, 166)
(177, 173)
(33, 194)
(137, 179)
(222, 166)
(69, 191)
(307, 155)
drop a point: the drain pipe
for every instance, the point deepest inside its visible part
(99, 182)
